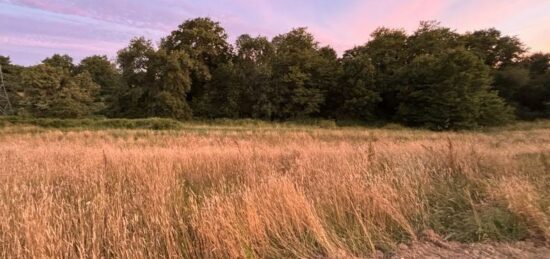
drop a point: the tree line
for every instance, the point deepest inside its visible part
(435, 78)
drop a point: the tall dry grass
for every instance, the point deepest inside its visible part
(265, 193)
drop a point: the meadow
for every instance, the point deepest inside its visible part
(266, 191)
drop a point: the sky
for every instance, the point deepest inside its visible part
(31, 30)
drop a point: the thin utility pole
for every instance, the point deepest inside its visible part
(5, 105)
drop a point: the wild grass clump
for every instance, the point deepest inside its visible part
(274, 193)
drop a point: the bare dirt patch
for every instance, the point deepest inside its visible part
(433, 246)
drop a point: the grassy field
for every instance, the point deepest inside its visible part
(265, 191)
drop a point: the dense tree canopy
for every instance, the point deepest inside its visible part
(11, 75)
(359, 95)
(51, 91)
(495, 50)
(253, 72)
(434, 77)
(388, 52)
(64, 62)
(205, 42)
(431, 38)
(450, 90)
(300, 76)
(157, 81)
(106, 75)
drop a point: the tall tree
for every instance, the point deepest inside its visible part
(533, 98)
(298, 88)
(538, 63)
(76, 97)
(328, 75)
(358, 94)
(450, 91)
(64, 62)
(169, 82)
(510, 81)
(495, 50)
(387, 50)
(432, 38)
(205, 41)
(134, 60)
(221, 98)
(253, 70)
(525, 85)
(41, 83)
(53, 92)
(157, 82)
(134, 63)
(106, 75)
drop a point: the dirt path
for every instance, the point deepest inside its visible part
(432, 246)
(518, 250)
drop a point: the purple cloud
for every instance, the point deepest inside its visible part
(34, 29)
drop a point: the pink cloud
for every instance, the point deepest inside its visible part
(125, 12)
(511, 17)
(52, 5)
(355, 26)
(409, 15)
(536, 37)
(342, 24)
(68, 43)
(491, 13)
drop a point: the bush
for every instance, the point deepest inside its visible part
(95, 123)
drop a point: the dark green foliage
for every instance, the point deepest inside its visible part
(431, 38)
(449, 91)
(105, 74)
(205, 41)
(157, 82)
(64, 62)
(388, 53)
(435, 78)
(330, 74)
(526, 85)
(359, 94)
(298, 73)
(52, 92)
(5, 61)
(253, 72)
(538, 63)
(12, 82)
(510, 81)
(502, 54)
(134, 60)
(534, 98)
(221, 100)
(496, 50)
(493, 110)
(169, 77)
(97, 123)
